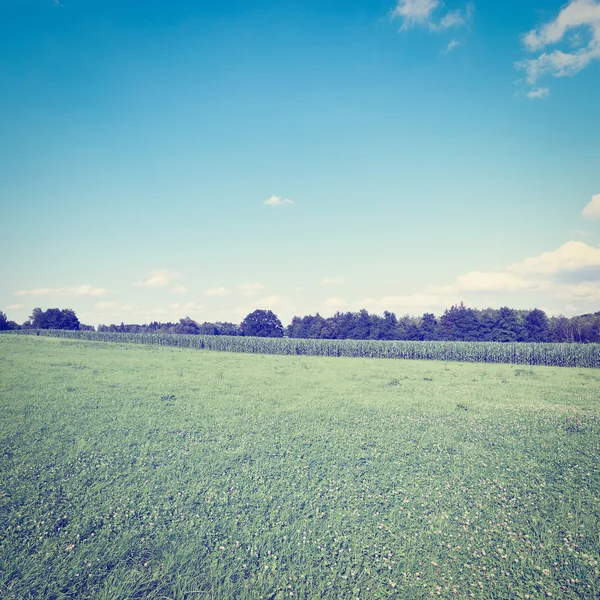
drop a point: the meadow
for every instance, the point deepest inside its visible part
(158, 472)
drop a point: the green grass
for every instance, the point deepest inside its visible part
(131, 471)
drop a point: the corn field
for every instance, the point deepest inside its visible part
(557, 355)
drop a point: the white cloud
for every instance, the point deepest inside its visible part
(274, 201)
(82, 290)
(578, 14)
(159, 278)
(105, 305)
(592, 210)
(491, 281)
(568, 273)
(571, 256)
(15, 306)
(113, 307)
(587, 290)
(333, 280)
(335, 303)
(268, 302)
(538, 93)
(451, 45)
(217, 291)
(189, 307)
(249, 289)
(415, 13)
(179, 290)
(456, 18)
(407, 303)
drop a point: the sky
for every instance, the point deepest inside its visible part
(191, 158)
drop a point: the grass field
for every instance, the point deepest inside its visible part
(131, 471)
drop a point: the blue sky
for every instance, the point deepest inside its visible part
(164, 159)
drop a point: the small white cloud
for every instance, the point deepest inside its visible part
(335, 303)
(333, 280)
(274, 201)
(415, 13)
(159, 278)
(455, 18)
(15, 306)
(179, 290)
(189, 307)
(577, 15)
(268, 302)
(36, 292)
(454, 43)
(249, 289)
(592, 210)
(217, 291)
(105, 305)
(538, 93)
(82, 290)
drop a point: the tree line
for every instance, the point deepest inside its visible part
(457, 323)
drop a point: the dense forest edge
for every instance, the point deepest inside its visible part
(457, 323)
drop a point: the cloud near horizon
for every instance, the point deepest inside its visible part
(217, 291)
(579, 16)
(82, 290)
(333, 280)
(158, 278)
(249, 289)
(568, 274)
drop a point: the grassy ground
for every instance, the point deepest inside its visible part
(143, 472)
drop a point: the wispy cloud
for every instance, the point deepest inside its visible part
(426, 13)
(159, 278)
(178, 290)
(105, 305)
(269, 302)
(15, 306)
(82, 290)
(333, 280)
(336, 303)
(538, 93)
(408, 303)
(274, 201)
(577, 16)
(217, 291)
(454, 43)
(186, 307)
(250, 289)
(592, 210)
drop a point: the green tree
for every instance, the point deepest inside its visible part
(537, 326)
(262, 323)
(5, 324)
(508, 327)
